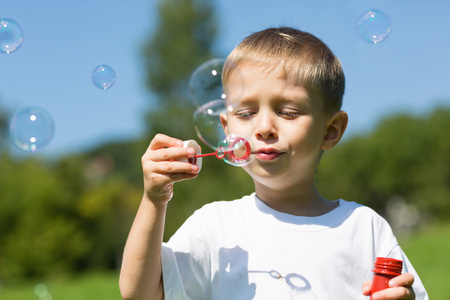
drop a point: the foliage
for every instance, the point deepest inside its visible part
(39, 229)
(3, 128)
(57, 219)
(182, 40)
(405, 157)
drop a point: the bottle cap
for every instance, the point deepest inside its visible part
(194, 160)
(389, 266)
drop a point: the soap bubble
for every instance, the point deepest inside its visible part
(31, 128)
(104, 77)
(207, 123)
(374, 26)
(11, 36)
(40, 290)
(206, 83)
(234, 150)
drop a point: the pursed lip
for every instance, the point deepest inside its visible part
(267, 153)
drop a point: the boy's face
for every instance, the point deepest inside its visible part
(284, 123)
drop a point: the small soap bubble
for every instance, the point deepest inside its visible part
(221, 152)
(103, 77)
(31, 128)
(235, 150)
(207, 123)
(374, 26)
(41, 290)
(11, 36)
(208, 81)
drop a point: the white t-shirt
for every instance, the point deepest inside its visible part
(243, 249)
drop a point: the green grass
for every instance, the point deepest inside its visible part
(429, 252)
(91, 286)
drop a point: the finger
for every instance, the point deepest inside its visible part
(173, 167)
(158, 174)
(161, 140)
(366, 288)
(163, 180)
(394, 294)
(168, 154)
(406, 279)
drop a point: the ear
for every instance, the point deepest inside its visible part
(224, 122)
(336, 125)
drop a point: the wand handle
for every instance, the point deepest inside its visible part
(206, 154)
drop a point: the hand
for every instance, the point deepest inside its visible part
(162, 168)
(400, 287)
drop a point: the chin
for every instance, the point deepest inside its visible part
(267, 177)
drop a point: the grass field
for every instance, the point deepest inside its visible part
(92, 286)
(428, 250)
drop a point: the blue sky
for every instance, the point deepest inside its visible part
(65, 40)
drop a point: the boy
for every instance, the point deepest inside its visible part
(285, 241)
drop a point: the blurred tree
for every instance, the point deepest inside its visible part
(405, 157)
(3, 128)
(182, 40)
(39, 228)
(66, 216)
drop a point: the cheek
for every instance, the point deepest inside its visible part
(305, 137)
(243, 129)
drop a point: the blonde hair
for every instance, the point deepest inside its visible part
(305, 60)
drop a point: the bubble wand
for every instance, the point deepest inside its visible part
(222, 152)
(234, 150)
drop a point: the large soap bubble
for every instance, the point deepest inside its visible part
(31, 128)
(374, 26)
(207, 82)
(11, 36)
(207, 123)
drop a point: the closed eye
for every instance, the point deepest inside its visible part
(289, 114)
(244, 114)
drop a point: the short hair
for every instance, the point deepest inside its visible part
(305, 60)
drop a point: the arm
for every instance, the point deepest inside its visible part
(141, 273)
(400, 288)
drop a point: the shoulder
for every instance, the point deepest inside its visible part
(366, 221)
(360, 211)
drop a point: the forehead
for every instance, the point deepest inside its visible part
(254, 81)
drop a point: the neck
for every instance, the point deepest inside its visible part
(302, 200)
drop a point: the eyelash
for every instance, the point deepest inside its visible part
(244, 114)
(249, 114)
(289, 114)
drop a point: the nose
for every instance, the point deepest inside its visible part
(265, 127)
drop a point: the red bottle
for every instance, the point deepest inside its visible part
(384, 270)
